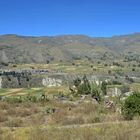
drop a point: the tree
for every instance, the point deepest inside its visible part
(131, 106)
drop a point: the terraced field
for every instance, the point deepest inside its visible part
(32, 91)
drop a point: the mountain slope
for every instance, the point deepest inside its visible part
(23, 49)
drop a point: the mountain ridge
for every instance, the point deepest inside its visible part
(44, 49)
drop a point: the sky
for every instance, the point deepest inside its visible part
(97, 18)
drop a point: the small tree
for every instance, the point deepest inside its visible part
(131, 106)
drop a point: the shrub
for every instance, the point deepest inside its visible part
(104, 87)
(125, 88)
(13, 100)
(96, 91)
(85, 87)
(131, 106)
(114, 82)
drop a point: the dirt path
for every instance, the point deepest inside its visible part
(45, 128)
(14, 92)
(90, 125)
(97, 124)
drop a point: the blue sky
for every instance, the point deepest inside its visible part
(57, 17)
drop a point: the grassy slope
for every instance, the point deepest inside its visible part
(123, 131)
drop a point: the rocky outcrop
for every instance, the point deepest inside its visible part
(0, 82)
(51, 82)
(30, 81)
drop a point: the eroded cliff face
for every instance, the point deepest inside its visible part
(30, 79)
(51, 82)
(0, 82)
(27, 82)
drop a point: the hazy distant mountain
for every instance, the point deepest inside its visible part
(23, 49)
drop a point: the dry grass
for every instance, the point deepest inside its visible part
(14, 122)
(66, 113)
(4, 105)
(3, 116)
(126, 131)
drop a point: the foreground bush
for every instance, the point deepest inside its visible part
(85, 87)
(131, 106)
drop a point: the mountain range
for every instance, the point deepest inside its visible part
(46, 49)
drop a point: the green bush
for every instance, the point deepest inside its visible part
(104, 87)
(85, 87)
(131, 106)
(96, 91)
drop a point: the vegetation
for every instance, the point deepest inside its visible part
(85, 87)
(122, 131)
(51, 113)
(131, 106)
(86, 110)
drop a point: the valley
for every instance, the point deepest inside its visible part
(76, 83)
